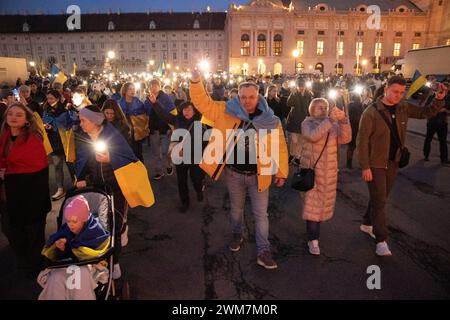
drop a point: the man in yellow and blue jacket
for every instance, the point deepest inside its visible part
(247, 141)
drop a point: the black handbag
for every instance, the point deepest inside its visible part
(303, 179)
(404, 152)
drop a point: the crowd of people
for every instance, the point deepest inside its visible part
(46, 122)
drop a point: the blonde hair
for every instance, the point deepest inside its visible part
(315, 102)
(31, 126)
(270, 87)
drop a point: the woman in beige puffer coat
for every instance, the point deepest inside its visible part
(319, 202)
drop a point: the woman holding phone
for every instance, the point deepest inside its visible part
(323, 131)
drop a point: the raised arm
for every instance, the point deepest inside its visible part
(213, 110)
(163, 113)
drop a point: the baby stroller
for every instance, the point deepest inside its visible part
(101, 204)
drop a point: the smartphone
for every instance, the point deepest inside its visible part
(16, 94)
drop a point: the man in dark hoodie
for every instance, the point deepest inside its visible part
(298, 102)
(188, 118)
(159, 131)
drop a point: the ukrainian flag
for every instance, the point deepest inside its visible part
(40, 123)
(417, 82)
(130, 173)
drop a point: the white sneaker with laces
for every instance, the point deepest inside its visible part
(383, 249)
(367, 229)
(116, 272)
(313, 247)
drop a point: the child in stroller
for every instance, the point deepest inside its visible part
(81, 238)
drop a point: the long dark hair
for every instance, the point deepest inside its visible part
(114, 105)
(31, 126)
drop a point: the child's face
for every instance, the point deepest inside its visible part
(75, 225)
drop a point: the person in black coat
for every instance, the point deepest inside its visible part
(185, 119)
(355, 110)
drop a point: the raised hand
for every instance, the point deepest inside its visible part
(195, 76)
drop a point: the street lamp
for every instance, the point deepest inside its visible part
(111, 54)
(32, 64)
(295, 54)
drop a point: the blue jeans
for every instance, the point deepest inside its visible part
(58, 161)
(238, 185)
(159, 146)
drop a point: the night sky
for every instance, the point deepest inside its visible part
(58, 6)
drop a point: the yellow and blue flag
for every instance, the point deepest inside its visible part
(417, 82)
(130, 173)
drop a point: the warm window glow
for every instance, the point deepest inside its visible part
(340, 48)
(359, 49)
(277, 45)
(378, 47)
(397, 49)
(300, 47)
(319, 48)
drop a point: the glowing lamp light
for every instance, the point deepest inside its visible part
(309, 84)
(428, 84)
(111, 54)
(292, 84)
(100, 146)
(137, 85)
(358, 89)
(332, 94)
(203, 65)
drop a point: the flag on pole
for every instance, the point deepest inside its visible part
(55, 70)
(60, 77)
(417, 82)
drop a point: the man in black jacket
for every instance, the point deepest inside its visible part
(298, 102)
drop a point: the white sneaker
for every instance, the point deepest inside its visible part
(383, 249)
(313, 247)
(59, 194)
(116, 272)
(124, 237)
(367, 229)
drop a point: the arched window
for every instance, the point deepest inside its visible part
(362, 8)
(152, 25)
(25, 27)
(322, 7)
(339, 68)
(277, 44)
(196, 24)
(111, 26)
(245, 45)
(319, 67)
(261, 45)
